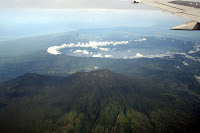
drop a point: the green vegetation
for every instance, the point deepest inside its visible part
(97, 101)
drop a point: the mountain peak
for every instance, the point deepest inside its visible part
(31, 75)
(104, 73)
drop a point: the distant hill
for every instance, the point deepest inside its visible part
(96, 101)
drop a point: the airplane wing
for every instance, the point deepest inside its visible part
(187, 9)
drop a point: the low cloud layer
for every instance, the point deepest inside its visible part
(171, 55)
(185, 63)
(198, 78)
(139, 55)
(97, 55)
(108, 56)
(104, 49)
(140, 40)
(91, 44)
(196, 49)
(117, 49)
(81, 51)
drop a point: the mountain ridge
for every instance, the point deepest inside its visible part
(96, 101)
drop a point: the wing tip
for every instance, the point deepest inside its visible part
(192, 25)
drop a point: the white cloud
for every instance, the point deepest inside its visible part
(78, 51)
(108, 56)
(104, 49)
(85, 52)
(81, 51)
(188, 56)
(139, 55)
(96, 67)
(91, 44)
(197, 77)
(185, 63)
(171, 55)
(140, 40)
(113, 49)
(102, 46)
(125, 57)
(54, 50)
(97, 55)
(197, 49)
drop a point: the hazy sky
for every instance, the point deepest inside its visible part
(107, 4)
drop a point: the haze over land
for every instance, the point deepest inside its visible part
(20, 23)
